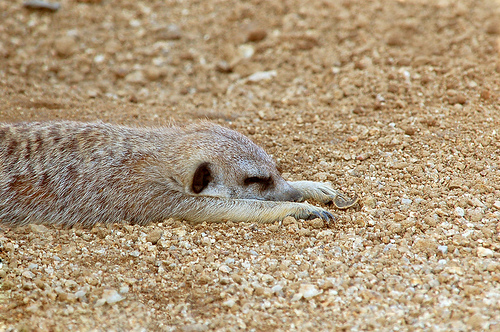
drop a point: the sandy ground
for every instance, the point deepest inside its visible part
(397, 101)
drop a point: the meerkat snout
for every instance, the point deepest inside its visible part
(272, 188)
(241, 181)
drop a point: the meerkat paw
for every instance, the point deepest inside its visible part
(308, 212)
(323, 192)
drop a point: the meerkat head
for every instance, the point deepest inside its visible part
(224, 163)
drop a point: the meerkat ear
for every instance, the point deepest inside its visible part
(201, 178)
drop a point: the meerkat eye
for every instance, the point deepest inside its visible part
(263, 181)
(201, 178)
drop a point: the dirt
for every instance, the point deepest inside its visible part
(397, 101)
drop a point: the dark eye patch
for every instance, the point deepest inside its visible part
(263, 181)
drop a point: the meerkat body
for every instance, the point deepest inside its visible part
(82, 173)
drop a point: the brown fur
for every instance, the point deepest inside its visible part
(82, 173)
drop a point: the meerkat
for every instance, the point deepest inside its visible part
(71, 173)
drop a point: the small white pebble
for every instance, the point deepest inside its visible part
(484, 252)
(406, 201)
(135, 23)
(100, 302)
(267, 278)
(443, 249)
(111, 296)
(225, 268)
(277, 288)
(99, 58)
(459, 212)
(246, 51)
(262, 75)
(324, 233)
(33, 308)
(308, 291)
(229, 303)
(80, 294)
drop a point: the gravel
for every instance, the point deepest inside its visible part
(395, 101)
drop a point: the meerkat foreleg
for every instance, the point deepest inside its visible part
(212, 209)
(323, 192)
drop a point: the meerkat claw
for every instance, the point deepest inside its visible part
(342, 203)
(328, 216)
(325, 215)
